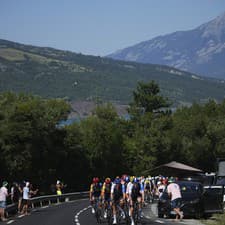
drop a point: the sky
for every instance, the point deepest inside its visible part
(100, 27)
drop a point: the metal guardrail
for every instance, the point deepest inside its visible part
(41, 201)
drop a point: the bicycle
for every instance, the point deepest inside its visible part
(108, 210)
(98, 210)
(148, 196)
(121, 215)
(137, 213)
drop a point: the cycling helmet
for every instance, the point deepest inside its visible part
(123, 177)
(95, 180)
(131, 178)
(107, 180)
(136, 180)
(117, 181)
(127, 179)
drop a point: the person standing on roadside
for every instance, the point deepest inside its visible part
(59, 187)
(3, 195)
(25, 200)
(20, 188)
(160, 188)
(174, 192)
(26, 196)
(15, 192)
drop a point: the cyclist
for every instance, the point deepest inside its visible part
(105, 194)
(136, 194)
(117, 194)
(148, 189)
(95, 192)
(128, 191)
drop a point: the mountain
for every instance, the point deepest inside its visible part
(55, 73)
(201, 50)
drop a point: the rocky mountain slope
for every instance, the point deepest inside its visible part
(201, 50)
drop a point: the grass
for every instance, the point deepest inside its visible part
(218, 219)
(18, 55)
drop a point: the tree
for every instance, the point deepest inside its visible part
(146, 99)
(28, 127)
(102, 139)
(150, 119)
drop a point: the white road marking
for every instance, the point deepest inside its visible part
(20, 216)
(10, 221)
(44, 207)
(76, 219)
(159, 221)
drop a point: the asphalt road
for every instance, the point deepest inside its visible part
(79, 213)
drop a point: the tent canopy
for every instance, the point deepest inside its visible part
(175, 168)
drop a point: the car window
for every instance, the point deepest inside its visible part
(220, 181)
(190, 188)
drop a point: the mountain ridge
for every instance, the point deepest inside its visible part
(200, 50)
(50, 72)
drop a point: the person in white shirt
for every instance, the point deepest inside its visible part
(174, 192)
(3, 195)
(160, 188)
(26, 196)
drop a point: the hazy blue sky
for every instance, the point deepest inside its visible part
(99, 27)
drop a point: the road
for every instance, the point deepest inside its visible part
(79, 213)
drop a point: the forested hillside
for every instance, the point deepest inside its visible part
(34, 147)
(54, 73)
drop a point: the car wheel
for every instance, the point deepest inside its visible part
(198, 214)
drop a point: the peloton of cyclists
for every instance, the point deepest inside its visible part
(124, 194)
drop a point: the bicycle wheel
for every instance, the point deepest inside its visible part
(98, 215)
(127, 217)
(136, 214)
(109, 216)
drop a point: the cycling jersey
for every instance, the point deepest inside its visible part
(147, 185)
(95, 189)
(106, 190)
(136, 190)
(118, 190)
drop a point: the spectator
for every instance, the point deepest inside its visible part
(20, 188)
(3, 195)
(26, 196)
(59, 187)
(175, 195)
(160, 188)
(15, 192)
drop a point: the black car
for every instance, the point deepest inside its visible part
(192, 200)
